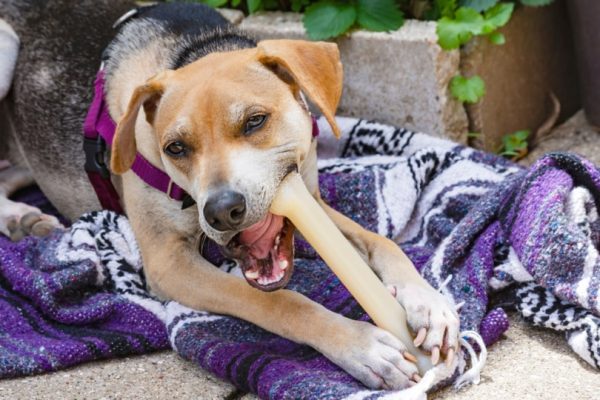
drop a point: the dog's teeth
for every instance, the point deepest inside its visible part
(252, 274)
(263, 280)
(279, 276)
(283, 264)
(277, 239)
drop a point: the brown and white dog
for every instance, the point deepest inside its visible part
(226, 119)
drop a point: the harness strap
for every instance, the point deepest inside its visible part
(99, 132)
(105, 191)
(94, 147)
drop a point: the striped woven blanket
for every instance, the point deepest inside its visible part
(473, 224)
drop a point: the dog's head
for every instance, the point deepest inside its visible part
(229, 127)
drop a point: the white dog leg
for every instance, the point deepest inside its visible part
(9, 50)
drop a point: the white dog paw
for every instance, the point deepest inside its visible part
(18, 220)
(432, 317)
(374, 357)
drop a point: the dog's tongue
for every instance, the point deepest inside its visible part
(260, 237)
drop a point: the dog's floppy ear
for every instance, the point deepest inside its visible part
(314, 67)
(123, 147)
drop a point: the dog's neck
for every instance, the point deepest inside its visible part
(193, 48)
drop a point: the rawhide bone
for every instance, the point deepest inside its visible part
(294, 201)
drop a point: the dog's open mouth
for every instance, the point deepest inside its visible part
(266, 252)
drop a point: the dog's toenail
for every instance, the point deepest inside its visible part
(409, 357)
(435, 355)
(420, 337)
(42, 228)
(450, 356)
(30, 219)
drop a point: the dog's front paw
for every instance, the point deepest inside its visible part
(18, 220)
(432, 317)
(373, 356)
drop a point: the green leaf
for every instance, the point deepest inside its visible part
(445, 8)
(328, 18)
(215, 3)
(467, 22)
(522, 135)
(468, 90)
(474, 135)
(536, 3)
(379, 15)
(253, 5)
(454, 32)
(496, 38)
(235, 3)
(478, 5)
(515, 144)
(500, 14)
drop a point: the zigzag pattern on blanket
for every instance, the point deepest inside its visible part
(471, 222)
(582, 328)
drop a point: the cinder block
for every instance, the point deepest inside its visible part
(399, 78)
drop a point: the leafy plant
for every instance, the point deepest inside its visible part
(536, 3)
(379, 15)
(458, 20)
(330, 18)
(468, 22)
(467, 90)
(478, 5)
(515, 145)
(327, 19)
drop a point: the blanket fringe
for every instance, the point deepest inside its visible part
(473, 375)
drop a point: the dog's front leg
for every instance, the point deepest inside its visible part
(428, 312)
(176, 271)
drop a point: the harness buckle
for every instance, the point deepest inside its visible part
(169, 189)
(95, 150)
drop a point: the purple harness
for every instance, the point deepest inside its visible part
(99, 131)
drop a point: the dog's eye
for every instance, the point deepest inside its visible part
(254, 122)
(175, 149)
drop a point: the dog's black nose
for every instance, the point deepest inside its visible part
(225, 210)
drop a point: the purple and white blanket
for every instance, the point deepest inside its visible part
(472, 223)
